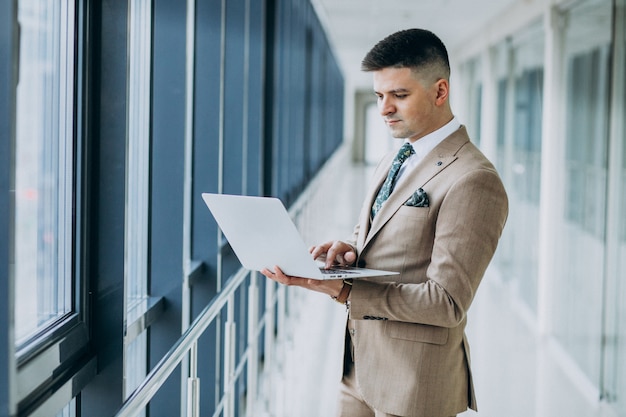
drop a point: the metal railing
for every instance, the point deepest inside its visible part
(273, 320)
(187, 344)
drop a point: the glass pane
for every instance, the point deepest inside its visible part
(44, 154)
(138, 143)
(578, 304)
(472, 74)
(136, 365)
(520, 98)
(620, 295)
(137, 186)
(69, 410)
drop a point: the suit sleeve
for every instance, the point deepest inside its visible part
(468, 225)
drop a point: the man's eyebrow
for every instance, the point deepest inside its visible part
(394, 91)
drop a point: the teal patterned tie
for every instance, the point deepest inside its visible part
(405, 151)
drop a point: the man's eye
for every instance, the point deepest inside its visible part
(401, 96)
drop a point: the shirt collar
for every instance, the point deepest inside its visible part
(426, 144)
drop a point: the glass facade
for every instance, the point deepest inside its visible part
(576, 299)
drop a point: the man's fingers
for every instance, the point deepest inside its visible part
(349, 257)
(340, 253)
(320, 250)
(279, 276)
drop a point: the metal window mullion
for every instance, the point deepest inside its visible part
(246, 97)
(66, 158)
(189, 381)
(220, 188)
(189, 120)
(144, 117)
(220, 171)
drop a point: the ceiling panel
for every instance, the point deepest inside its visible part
(354, 26)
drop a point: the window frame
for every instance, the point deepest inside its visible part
(58, 358)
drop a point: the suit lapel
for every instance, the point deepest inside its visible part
(433, 163)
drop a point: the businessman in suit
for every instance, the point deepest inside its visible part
(434, 213)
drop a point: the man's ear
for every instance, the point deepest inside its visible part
(443, 90)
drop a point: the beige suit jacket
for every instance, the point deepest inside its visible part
(410, 352)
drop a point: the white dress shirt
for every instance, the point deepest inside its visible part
(424, 145)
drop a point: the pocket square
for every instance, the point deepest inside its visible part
(418, 199)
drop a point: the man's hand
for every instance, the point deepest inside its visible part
(335, 252)
(330, 287)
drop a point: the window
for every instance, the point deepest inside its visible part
(51, 335)
(44, 158)
(520, 104)
(580, 260)
(137, 191)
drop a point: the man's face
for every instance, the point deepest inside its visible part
(409, 108)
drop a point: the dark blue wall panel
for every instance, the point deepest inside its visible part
(167, 186)
(204, 246)
(304, 117)
(105, 167)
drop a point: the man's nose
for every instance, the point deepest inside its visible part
(386, 107)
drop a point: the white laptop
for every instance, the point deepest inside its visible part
(262, 235)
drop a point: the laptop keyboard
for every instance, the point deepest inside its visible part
(336, 271)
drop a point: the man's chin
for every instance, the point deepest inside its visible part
(397, 135)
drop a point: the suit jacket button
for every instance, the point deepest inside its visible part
(361, 263)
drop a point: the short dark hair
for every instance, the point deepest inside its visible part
(418, 49)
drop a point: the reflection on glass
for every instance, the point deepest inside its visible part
(44, 153)
(520, 100)
(137, 186)
(138, 157)
(578, 303)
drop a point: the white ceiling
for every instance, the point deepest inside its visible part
(354, 26)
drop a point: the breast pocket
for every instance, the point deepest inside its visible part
(413, 229)
(413, 212)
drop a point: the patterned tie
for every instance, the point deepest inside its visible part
(405, 151)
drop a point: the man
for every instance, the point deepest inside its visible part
(437, 223)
